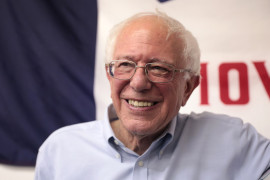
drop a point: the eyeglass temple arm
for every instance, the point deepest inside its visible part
(183, 70)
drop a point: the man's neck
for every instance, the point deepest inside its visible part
(136, 143)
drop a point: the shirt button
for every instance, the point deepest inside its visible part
(140, 163)
(116, 142)
(117, 156)
(161, 153)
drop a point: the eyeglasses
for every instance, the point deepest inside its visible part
(155, 72)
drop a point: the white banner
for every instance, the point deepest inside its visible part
(235, 45)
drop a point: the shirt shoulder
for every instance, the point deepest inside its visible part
(213, 128)
(216, 118)
(227, 140)
(88, 131)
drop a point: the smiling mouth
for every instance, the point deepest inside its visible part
(140, 103)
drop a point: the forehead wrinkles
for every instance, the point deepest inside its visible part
(142, 36)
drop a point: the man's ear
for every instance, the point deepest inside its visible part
(191, 84)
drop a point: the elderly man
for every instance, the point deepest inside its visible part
(153, 67)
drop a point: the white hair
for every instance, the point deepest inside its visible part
(190, 52)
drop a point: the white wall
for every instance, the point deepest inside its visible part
(16, 173)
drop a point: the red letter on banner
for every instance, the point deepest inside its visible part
(204, 84)
(263, 75)
(224, 83)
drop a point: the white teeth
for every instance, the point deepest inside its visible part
(140, 103)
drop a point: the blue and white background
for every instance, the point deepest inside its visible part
(52, 65)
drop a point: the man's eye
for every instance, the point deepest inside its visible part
(159, 69)
(125, 64)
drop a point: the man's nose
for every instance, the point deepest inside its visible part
(139, 81)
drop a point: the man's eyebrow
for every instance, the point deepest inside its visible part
(158, 60)
(131, 58)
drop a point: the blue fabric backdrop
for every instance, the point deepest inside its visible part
(47, 60)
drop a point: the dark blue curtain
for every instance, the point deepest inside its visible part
(47, 60)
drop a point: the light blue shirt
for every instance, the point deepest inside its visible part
(202, 146)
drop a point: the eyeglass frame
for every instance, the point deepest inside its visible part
(146, 71)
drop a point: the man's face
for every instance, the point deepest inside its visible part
(144, 41)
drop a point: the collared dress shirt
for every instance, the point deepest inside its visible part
(202, 146)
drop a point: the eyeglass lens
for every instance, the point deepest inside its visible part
(156, 72)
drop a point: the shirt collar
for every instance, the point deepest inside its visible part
(110, 116)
